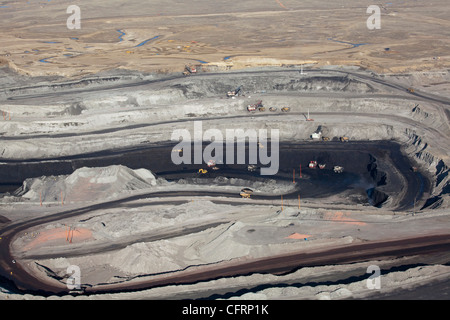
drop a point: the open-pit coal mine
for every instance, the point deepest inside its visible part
(104, 158)
(373, 173)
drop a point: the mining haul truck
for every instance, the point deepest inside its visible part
(246, 193)
(338, 169)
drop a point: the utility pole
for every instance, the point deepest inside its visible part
(301, 70)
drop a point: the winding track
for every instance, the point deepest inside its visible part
(425, 96)
(280, 264)
(389, 117)
(347, 254)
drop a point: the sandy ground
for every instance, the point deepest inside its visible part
(164, 36)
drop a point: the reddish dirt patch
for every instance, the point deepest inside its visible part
(342, 217)
(298, 236)
(59, 236)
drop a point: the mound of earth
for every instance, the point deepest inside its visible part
(87, 184)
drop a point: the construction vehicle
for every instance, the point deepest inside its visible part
(211, 163)
(285, 109)
(202, 171)
(189, 70)
(344, 139)
(308, 118)
(273, 109)
(338, 169)
(262, 109)
(233, 93)
(325, 139)
(313, 164)
(252, 168)
(246, 193)
(410, 90)
(251, 107)
(258, 105)
(316, 135)
(322, 166)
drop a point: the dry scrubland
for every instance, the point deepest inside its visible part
(233, 34)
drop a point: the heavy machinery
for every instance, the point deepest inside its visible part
(316, 135)
(308, 118)
(410, 90)
(285, 109)
(258, 105)
(273, 109)
(211, 163)
(233, 93)
(338, 169)
(262, 109)
(252, 168)
(325, 139)
(344, 139)
(246, 193)
(190, 69)
(322, 166)
(202, 171)
(313, 164)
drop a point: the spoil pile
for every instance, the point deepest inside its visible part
(87, 184)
